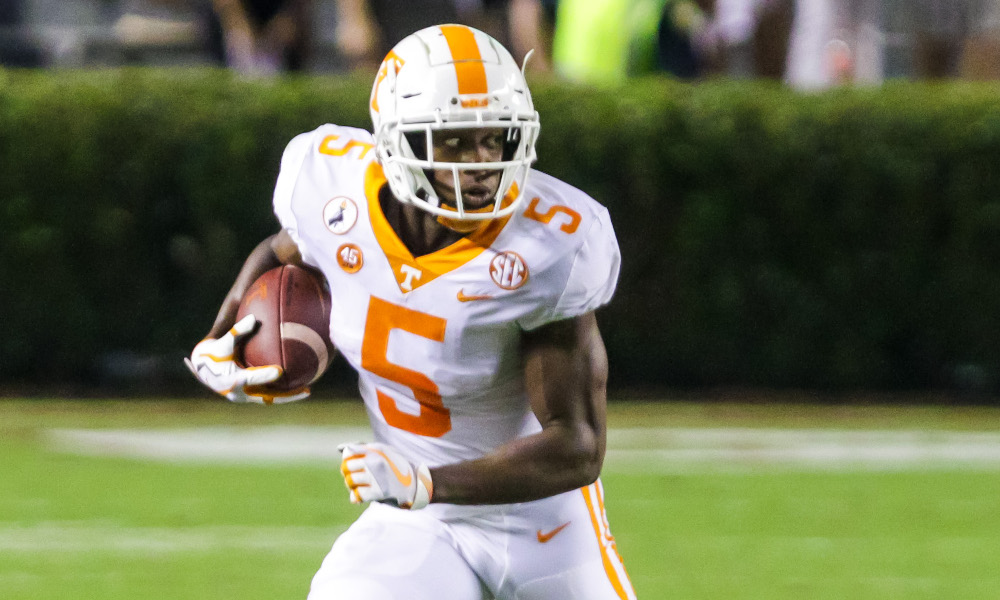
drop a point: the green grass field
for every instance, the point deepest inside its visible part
(81, 525)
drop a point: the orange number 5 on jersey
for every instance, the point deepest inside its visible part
(434, 419)
(574, 217)
(327, 147)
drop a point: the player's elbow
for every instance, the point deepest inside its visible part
(585, 455)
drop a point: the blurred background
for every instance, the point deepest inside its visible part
(804, 190)
(806, 43)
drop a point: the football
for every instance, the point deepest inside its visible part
(292, 308)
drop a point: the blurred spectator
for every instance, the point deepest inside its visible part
(682, 27)
(261, 37)
(608, 40)
(813, 38)
(16, 49)
(158, 32)
(368, 29)
(747, 38)
(531, 24)
(867, 41)
(358, 36)
(945, 30)
(771, 37)
(605, 41)
(981, 54)
(490, 16)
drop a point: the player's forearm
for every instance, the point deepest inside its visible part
(261, 260)
(555, 460)
(565, 369)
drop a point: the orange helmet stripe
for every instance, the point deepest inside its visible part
(468, 61)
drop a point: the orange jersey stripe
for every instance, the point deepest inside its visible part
(468, 61)
(597, 519)
(599, 488)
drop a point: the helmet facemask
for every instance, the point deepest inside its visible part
(416, 161)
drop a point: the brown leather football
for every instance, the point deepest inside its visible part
(292, 308)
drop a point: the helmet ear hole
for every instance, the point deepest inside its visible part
(418, 143)
(512, 141)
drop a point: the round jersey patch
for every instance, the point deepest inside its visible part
(340, 214)
(508, 270)
(349, 258)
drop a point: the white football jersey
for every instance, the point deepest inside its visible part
(435, 338)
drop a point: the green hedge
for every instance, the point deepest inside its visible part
(836, 241)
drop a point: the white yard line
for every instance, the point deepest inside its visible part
(106, 536)
(649, 450)
(261, 445)
(744, 449)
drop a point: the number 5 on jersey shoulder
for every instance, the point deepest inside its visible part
(568, 227)
(331, 146)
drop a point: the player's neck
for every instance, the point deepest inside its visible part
(419, 231)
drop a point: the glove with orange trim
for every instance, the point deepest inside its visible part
(212, 362)
(380, 473)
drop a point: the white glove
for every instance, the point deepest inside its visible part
(380, 473)
(212, 362)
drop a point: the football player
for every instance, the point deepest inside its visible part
(463, 286)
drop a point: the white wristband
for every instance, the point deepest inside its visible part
(425, 488)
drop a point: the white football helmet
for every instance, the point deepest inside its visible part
(443, 78)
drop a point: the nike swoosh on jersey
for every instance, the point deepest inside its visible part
(543, 538)
(463, 298)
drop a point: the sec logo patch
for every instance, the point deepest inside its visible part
(508, 270)
(340, 214)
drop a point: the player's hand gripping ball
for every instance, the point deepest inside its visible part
(380, 473)
(293, 307)
(213, 362)
(279, 346)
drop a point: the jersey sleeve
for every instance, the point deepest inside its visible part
(291, 165)
(593, 276)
